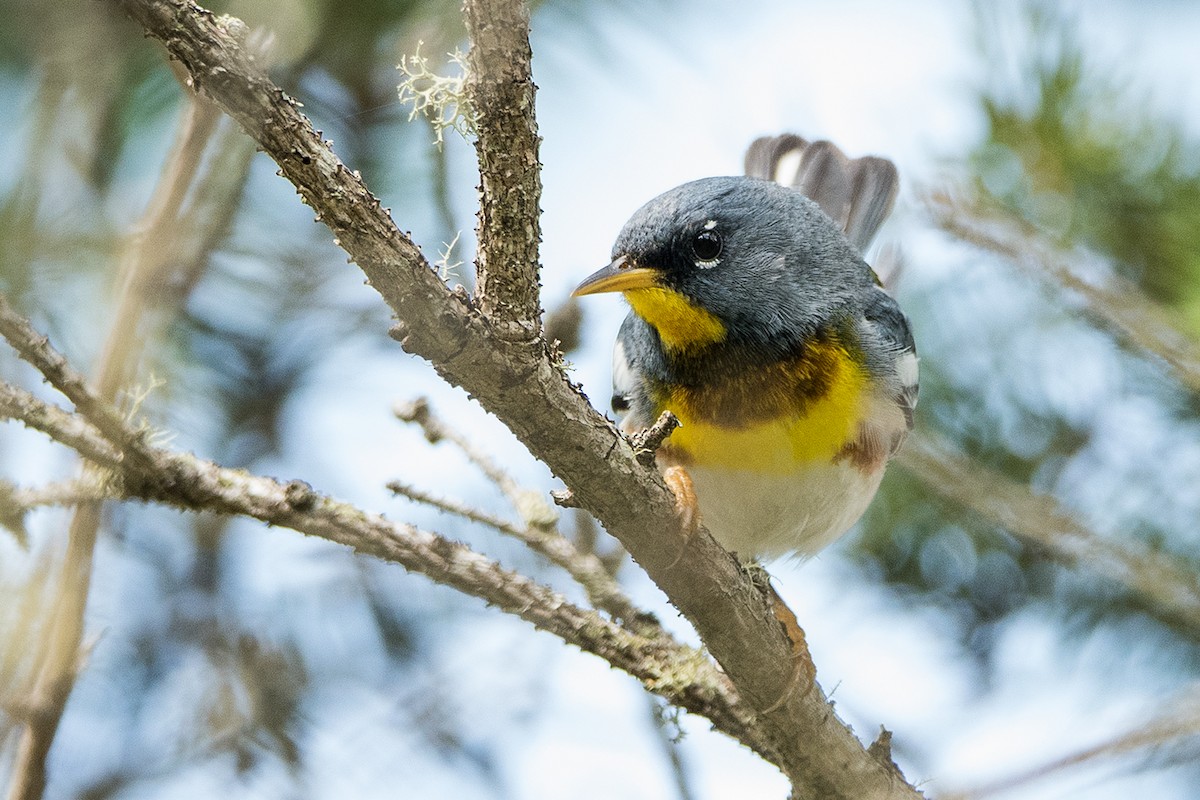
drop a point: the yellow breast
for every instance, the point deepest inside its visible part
(773, 420)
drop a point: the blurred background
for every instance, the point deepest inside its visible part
(1023, 589)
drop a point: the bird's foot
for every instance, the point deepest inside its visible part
(687, 508)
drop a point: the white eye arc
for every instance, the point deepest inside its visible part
(707, 245)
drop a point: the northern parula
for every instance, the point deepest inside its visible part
(757, 323)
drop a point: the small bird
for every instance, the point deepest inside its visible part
(756, 322)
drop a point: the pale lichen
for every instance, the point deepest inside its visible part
(441, 99)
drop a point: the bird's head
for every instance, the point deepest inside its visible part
(731, 260)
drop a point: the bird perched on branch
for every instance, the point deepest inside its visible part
(757, 323)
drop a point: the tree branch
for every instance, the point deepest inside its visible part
(523, 386)
(539, 531)
(436, 430)
(586, 569)
(501, 93)
(61, 493)
(35, 348)
(1179, 721)
(62, 426)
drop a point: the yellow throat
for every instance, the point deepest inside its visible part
(682, 325)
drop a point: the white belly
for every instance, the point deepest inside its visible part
(760, 515)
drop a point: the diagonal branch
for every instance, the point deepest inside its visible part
(539, 531)
(587, 569)
(35, 348)
(62, 426)
(1178, 722)
(436, 430)
(518, 381)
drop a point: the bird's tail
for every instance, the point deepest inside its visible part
(856, 193)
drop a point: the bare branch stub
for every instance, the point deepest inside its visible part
(647, 442)
(501, 91)
(417, 412)
(564, 498)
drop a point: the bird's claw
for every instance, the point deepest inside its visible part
(687, 508)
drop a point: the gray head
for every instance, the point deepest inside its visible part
(762, 258)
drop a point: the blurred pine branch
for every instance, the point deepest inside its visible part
(1080, 149)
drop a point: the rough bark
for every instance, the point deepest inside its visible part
(501, 91)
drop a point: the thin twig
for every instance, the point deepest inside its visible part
(418, 412)
(458, 509)
(540, 531)
(670, 738)
(17, 501)
(587, 569)
(528, 503)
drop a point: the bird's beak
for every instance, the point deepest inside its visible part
(619, 276)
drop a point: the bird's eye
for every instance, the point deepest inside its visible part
(707, 245)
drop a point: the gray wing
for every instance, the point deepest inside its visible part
(856, 193)
(896, 351)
